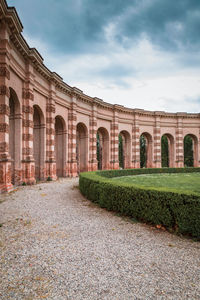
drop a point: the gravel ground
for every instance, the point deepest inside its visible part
(54, 244)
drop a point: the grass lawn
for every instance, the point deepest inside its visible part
(182, 181)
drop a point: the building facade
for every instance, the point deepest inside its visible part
(49, 129)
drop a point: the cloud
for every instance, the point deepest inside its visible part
(140, 53)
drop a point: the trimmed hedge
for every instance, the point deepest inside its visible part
(175, 210)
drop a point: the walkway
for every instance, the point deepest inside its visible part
(54, 244)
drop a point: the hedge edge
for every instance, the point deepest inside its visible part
(175, 210)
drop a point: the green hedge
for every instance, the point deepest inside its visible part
(173, 209)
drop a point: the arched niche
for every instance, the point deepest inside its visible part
(145, 150)
(124, 149)
(60, 146)
(102, 148)
(82, 147)
(38, 142)
(14, 135)
(190, 150)
(167, 150)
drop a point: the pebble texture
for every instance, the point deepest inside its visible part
(54, 244)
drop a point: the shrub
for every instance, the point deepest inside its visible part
(179, 211)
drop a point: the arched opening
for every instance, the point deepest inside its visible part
(167, 151)
(145, 150)
(124, 150)
(14, 135)
(82, 147)
(102, 148)
(60, 146)
(190, 151)
(38, 142)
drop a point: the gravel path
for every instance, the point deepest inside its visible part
(54, 244)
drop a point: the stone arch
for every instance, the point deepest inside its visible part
(14, 136)
(60, 146)
(190, 145)
(102, 148)
(146, 138)
(82, 147)
(125, 155)
(167, 145)
(38, 142)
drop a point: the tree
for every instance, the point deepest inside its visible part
(165, 151)
(121, 152)
(143, 156)
(188, 152)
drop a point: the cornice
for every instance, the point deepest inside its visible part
(11, 17)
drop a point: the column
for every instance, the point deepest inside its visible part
(179, 143)
(114, 164)
(136, 142)
(28, 163)
(93, 165)
(5, 161)
(157, 143)
(72, 119)
(50, 172)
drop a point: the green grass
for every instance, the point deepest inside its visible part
(183, 182)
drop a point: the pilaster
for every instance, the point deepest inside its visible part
(28, 163)
(179, 144)
(136, 142)
(50, 135)
(72, 119)
(5, 160)
(157, 143)
(114, 164)
(93, 164)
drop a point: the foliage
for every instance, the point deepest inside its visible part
(188, 151)
(143, 155)
(98, 152)
(165, 151)
(173, 209)
(121, 152)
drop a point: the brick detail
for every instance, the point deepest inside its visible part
(26, 94)
(27, 137)
(4, 127)
(4, 109)
(4, 91)
(50, 143)
(27, 151)
(3, 147)
(4, 72)
(50, 120)
(27, 123)
(50, 108)
(27, 109)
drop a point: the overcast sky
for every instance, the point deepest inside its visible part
(137, 53)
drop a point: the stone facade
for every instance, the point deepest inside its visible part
(49, 129)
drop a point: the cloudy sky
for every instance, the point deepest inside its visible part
(137, 53)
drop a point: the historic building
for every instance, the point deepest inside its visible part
(50, 129)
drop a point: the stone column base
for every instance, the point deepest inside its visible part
(114, 165)
(72, 169)
(5, 177)
(28, 172)
(179, 164)
(135, 164)
(51, 170)
(157, 164)
(93, 166)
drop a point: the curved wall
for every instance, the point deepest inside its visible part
(56, 125)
